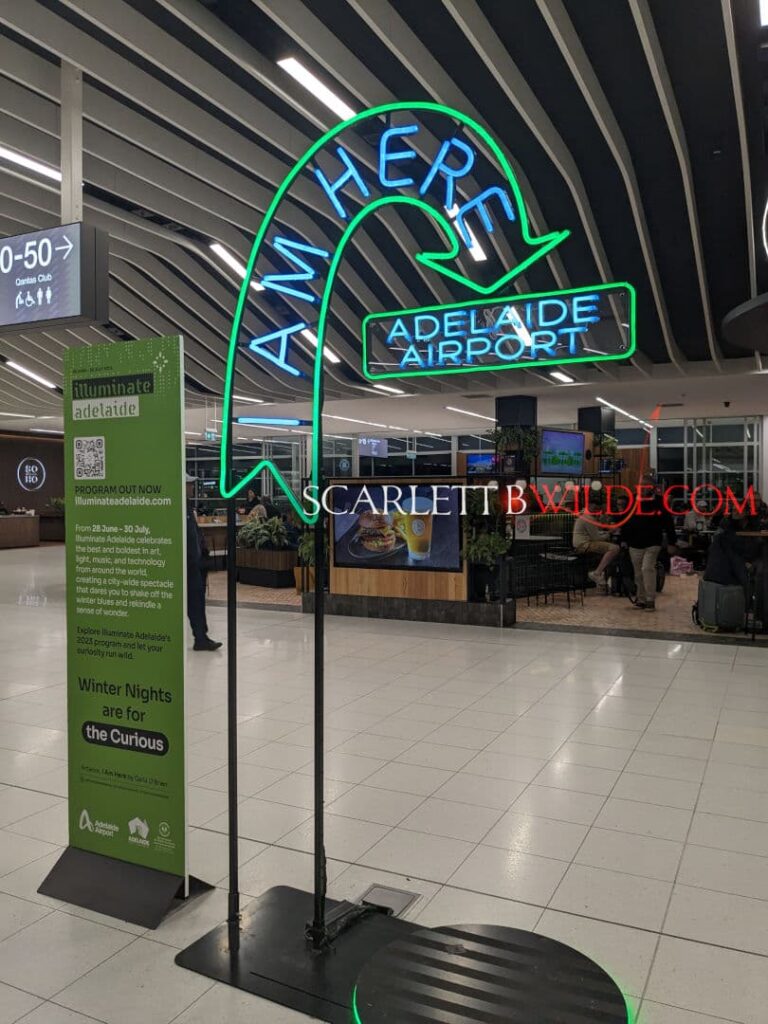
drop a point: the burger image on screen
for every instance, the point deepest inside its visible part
(375, 533)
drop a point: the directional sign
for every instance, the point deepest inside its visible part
(60, 274)
(548, 328)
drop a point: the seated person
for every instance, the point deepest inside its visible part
(589, 539)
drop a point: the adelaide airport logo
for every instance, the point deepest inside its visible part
(105, 829)
(138, 831)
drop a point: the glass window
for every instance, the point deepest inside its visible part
(428, 443)
(669, 435)
(632, 436)
(433, 465)
(475, 443)
(670, 460)
(727, 432)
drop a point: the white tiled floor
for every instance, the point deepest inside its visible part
(611, 793)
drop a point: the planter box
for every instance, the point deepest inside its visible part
(261, 567)
(52, 526)
(299, 574)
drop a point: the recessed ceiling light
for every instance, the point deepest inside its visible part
(19, 415)
(466, 412)
(388, 389)
(31, 165)
(233, 263)
(242, 398)
(629, 415)
(194, 433)
(29, 373)
(476, 250)
(320, 91)
(328, 353)
(44, 430)
(349, 419)
(562, 377)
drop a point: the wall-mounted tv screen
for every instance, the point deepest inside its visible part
(481, 463)
(377, 447)
(370, 532)
(561, 453)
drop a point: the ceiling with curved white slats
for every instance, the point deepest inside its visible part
(628, 122)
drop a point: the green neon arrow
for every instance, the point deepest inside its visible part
(438, 261)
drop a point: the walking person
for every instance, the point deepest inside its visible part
(644, 533)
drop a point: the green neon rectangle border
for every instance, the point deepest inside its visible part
(516, 300)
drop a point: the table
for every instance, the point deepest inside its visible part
(19, 531)
(216, 537)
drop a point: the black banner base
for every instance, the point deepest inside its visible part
(128, 892)
(270, 957)
(484, 974)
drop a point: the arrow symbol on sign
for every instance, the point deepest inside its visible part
(67, 248)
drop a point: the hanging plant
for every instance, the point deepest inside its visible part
(608, 445)
(522, 439)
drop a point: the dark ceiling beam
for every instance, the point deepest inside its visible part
(575, 56)
(657, 65)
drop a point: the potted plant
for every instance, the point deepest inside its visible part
(52, 520)
(484, 551)
(306, 552)
(265, 557)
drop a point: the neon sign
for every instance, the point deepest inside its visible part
(304, 271)
(576, 326)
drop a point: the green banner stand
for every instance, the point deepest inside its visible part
(126, 631)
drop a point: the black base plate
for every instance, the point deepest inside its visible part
(487, 974)
(126, 891)
(274, 961)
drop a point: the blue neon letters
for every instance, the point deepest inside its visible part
(451, 151)
(289, 248)
(565, 326)
(279, 358)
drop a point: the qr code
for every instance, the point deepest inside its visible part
(89, 458)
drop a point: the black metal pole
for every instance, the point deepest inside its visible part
(318, 930)
(233, 917)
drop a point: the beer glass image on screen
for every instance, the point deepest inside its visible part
(369, 531)
(414, 525)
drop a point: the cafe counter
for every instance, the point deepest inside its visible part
(19, 531)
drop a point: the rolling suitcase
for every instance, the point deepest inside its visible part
(720, 606)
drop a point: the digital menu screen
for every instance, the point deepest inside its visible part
(561, 453)
(370, 532)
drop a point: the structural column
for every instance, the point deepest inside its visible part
(71, 143)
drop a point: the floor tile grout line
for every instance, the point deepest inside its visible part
(661, 931)
(592, 825)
